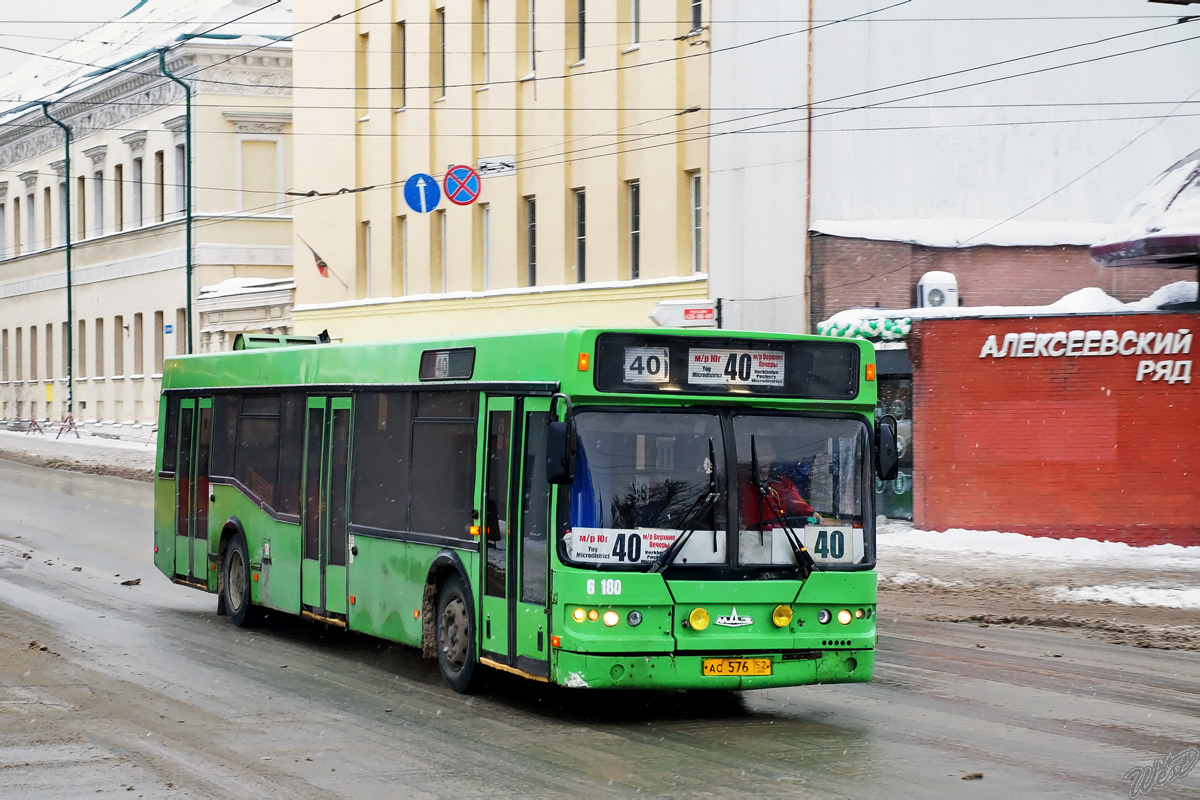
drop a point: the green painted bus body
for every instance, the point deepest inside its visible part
(391, 583)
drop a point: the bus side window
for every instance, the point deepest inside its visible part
(170, 433)
(442, 472)
(224, 441)
(382, 432)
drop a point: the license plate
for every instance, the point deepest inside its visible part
(737, 666)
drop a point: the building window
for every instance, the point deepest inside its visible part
(439, 29)
(20, 356)
(399, 64)
(98, 336)
(160, 177)
(81, 207)
(33, 353)
(30, 243)
(16, 204)
(159, 342)
(64, 213)
(98, 203)
(362, 79)
(181, 178)
(4, 355)
(581, 21)
(364, 260)
(400, 257)
(47, 219)
(49, 341)
(635, 21)
(119, 197)
(442, 248)
(486, 213)
(181, 326)
(138, 219)
(81, 347)
(580, 235)
(696, 220)
(532, 36)
(697, 7)
(531, 240)
(118, 345)
(635, 229)
(3, 232)
(486, 47)
(139, 349)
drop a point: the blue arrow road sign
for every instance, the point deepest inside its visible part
(421, 192)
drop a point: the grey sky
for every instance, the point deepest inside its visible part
(41, 27)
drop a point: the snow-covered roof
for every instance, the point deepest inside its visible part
(1162, 222)
(892, 324)
(955, 233)
(236, 286)
(149, 25)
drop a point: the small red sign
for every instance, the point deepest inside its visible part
(698, 313)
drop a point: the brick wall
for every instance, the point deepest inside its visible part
(1055, 446)
(851, 273)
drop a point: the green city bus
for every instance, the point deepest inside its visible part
(589, 508)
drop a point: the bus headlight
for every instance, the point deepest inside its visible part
(611, 618)
(579, 614)
(634, 618)
(698, 619)
(781, 616)
(845, 616)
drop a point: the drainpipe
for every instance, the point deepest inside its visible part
(67, 233)
(187, 181)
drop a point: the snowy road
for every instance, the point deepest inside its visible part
(144, 689)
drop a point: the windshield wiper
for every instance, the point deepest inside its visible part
(702, 506)
(804, 559)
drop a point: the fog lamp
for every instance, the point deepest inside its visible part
(781, 616)
(579, 614)
(823, 616)
(698, 619)
(844, 617)
(634, 618)
(611, 618)
(858, 614)
(593, 615)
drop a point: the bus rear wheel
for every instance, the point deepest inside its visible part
(235, 581)
(455, 635)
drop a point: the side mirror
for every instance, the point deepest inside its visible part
(560, 453)
(887, 456)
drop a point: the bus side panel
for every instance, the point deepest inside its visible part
(164, 526)
(387, 581)
(273, 548)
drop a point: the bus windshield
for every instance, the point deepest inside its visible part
(644, 478)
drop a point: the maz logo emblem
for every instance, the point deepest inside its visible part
(735, 621)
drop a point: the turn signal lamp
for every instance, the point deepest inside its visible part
(555, 641)
(593, 615)
(611, 618)
(844, 617)
(870, 372)
(579, 614)
(698, 619)
(858, 614)
(474, 530)
(583, 362)
(781, 616)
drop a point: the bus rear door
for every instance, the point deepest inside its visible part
(191, 488)
(513, 629)
(326, 456)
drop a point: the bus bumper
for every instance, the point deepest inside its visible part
(685, 671)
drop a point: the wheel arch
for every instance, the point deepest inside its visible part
(446, 562)
(231, 528)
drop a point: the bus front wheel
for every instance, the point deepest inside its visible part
(455, 635)
(235, 583)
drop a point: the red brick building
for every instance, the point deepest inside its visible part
(1059, 426)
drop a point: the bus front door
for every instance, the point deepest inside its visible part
(326, 456)
(513, 514)
(191, 488)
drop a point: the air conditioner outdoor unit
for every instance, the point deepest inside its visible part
(937, 289)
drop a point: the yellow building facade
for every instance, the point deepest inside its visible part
(585, 121)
